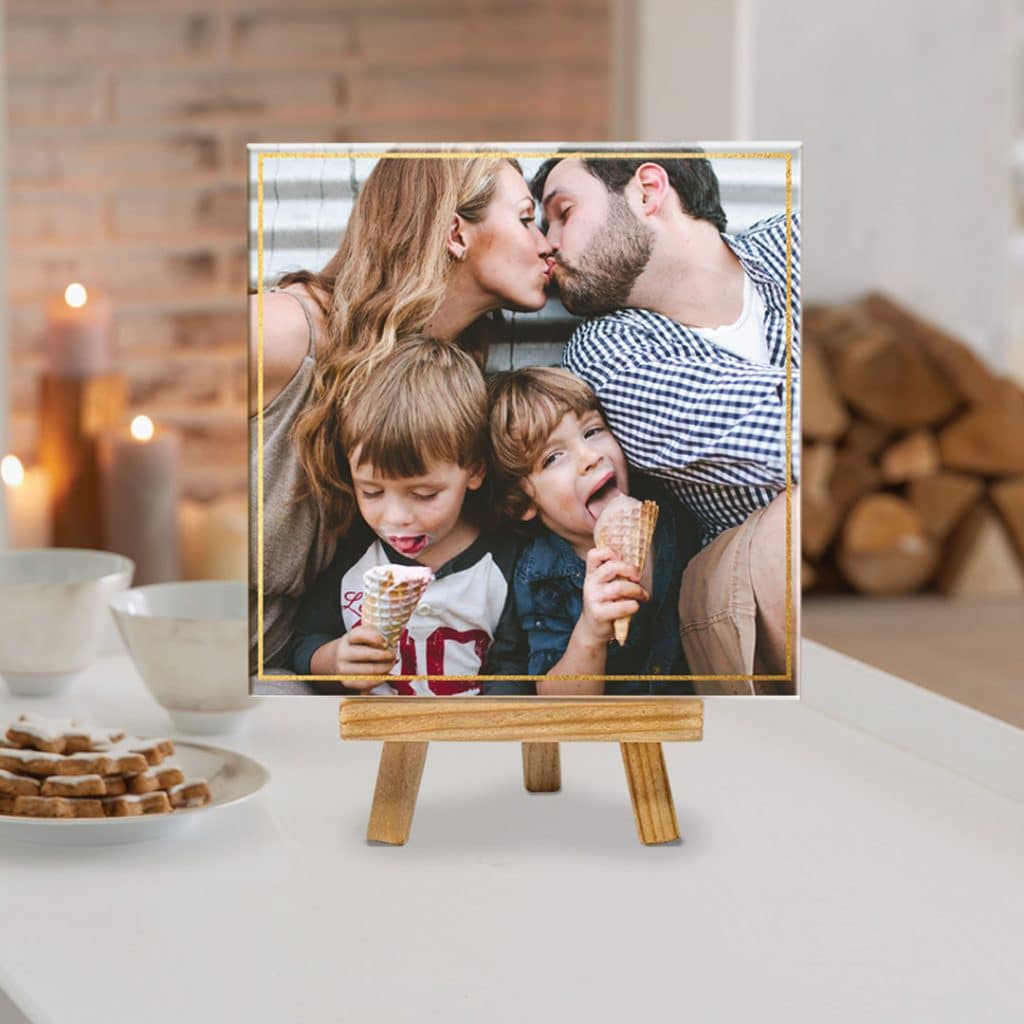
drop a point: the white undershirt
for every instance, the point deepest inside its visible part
(745, 337)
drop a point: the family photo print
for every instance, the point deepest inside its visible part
(524, 419)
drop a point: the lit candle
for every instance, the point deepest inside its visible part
(140, 498)
(77, 333)
(28, 503)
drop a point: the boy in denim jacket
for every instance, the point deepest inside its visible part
(559, 465)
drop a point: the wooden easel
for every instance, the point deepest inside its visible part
(407, 726)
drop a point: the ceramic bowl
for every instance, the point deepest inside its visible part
(189, 642)
(53, 610)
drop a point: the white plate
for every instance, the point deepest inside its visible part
(232, 778)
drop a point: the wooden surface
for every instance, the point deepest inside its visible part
(823, 415)
(650, 792)
(968, 650)
(647, 721)
(943, 499)
(394, 799)
(960, 366)
(980, 560)
(1008, 498)
(883, 547)
(910, 458)
(889, 380)
(542, 767)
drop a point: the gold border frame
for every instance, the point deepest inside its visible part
(456, 154)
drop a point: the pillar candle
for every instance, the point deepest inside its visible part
(215, 538)
(140, 498)
(77, 333)
(74, 412)
(27, 494)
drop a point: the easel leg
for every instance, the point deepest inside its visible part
(650, 792)
(542, 768)
(394, 799)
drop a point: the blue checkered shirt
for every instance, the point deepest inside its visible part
(710, 424)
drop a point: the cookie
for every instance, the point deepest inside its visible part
(117, 785)
(57, 768)
(74, 785)
(154, 751)
(39, 733)
(42, 762)
(57, 807)
(80, 740)
(59, 735)
(123, 762)
(158, 777)
(135, 804)
(194, 793)
(12, 784)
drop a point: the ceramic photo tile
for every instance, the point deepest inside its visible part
(525, 419)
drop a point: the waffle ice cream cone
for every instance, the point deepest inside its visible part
(627, 527)
(390, 593)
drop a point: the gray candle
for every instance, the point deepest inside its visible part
(140, 498)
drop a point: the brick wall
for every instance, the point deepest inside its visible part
(127, 123)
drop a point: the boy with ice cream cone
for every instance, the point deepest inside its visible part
(560, 468)
(434, 583)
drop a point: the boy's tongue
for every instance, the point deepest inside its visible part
(602, 497)
(409, 546)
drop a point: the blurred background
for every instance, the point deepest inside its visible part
(124, 167)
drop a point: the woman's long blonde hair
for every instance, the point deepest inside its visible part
(387, 281)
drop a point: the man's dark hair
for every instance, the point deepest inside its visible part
(691, 177)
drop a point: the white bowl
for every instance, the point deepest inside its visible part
(53, 607)
(190, 643)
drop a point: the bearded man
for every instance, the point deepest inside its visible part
(687, 350)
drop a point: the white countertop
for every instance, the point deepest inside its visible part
(824, 875)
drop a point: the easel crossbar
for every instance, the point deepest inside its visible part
(472, 719)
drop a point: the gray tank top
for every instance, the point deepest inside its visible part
(295, 549)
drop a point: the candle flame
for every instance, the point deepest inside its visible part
(75, 295)
(11, 471)
(142, 428)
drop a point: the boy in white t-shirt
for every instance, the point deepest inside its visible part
(416, 444)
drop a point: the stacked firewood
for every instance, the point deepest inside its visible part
(913, 459)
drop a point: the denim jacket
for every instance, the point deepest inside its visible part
(548, 584)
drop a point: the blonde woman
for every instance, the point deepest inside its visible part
(432, 247)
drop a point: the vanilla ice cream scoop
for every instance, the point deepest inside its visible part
(390, 594)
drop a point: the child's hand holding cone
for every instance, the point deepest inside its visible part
(626, 526)
(390, 595)
(611, 591)
(361, 652)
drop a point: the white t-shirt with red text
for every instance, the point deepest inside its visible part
(450, 630)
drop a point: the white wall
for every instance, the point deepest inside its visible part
(905, 110)
(684, 85)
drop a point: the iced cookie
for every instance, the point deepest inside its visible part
(132, 805)
(56, 807)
